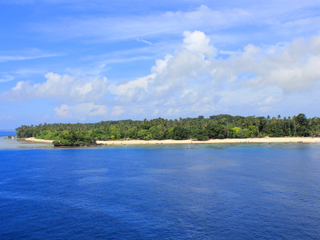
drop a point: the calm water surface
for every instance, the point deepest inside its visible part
(168, 192)
(4, 133)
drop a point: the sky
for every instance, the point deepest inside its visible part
(90, 61)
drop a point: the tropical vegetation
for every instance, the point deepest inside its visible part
(200, 128)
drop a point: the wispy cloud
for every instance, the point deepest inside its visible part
(26, 55)
(144, 41)
(138, 27)
(6, 78)
(226, 23)
(301, 25)
(6, 117)
(192, 80)
(20, 73)
(20, 58)
(124, 60)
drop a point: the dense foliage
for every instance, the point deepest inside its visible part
(217, 126)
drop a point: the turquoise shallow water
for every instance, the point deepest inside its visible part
(268, 191)
(21, 144)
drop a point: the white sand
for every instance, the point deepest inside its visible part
(32, 139)
(211, 141)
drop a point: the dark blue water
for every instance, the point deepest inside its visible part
(4, 133)
(239, 192)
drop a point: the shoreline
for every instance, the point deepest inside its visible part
(32, 139)
(189, 141)
(214, 141)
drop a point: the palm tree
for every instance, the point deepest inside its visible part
(206, 123)
(278, 117)
(258, 125)
(227, 122)
(294, 124)
(285, 123)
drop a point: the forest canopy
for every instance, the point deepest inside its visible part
(200, 128)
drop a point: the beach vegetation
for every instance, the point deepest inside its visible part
(200, 134)
(179, 133)
(200, 128)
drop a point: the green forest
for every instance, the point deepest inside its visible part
(200, 128)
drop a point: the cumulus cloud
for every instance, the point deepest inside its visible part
(81, 111)
(173, 75)
(198, 42)
(290, 66)
(117, 111)
(63, 87)
(194, 79)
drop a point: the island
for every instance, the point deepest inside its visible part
(221, 128)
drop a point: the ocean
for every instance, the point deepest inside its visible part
(5, 133)
(240, 191)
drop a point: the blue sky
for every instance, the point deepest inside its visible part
(88, 61)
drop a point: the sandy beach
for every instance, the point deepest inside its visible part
(32, 139)
(216, 141)
(211, 141)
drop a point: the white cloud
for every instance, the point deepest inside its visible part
(117, 111)
(63, 87)
(293, 67)
(6, 78)
(20, 73)
(126, 89)
(144, 41)
(139, 27)
(26, 55)
(176, 79)
(81, 111)
(198, 42)
(156, 112)
(63, 111)
(262, 20)
(192, 80)
(301, 25)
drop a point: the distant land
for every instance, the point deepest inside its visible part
(194, 129)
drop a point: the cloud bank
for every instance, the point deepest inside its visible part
(195, 79)
(63, 87)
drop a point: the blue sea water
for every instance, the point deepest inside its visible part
(266, 191)
(5, 133)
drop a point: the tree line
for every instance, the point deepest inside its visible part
(200, 128)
